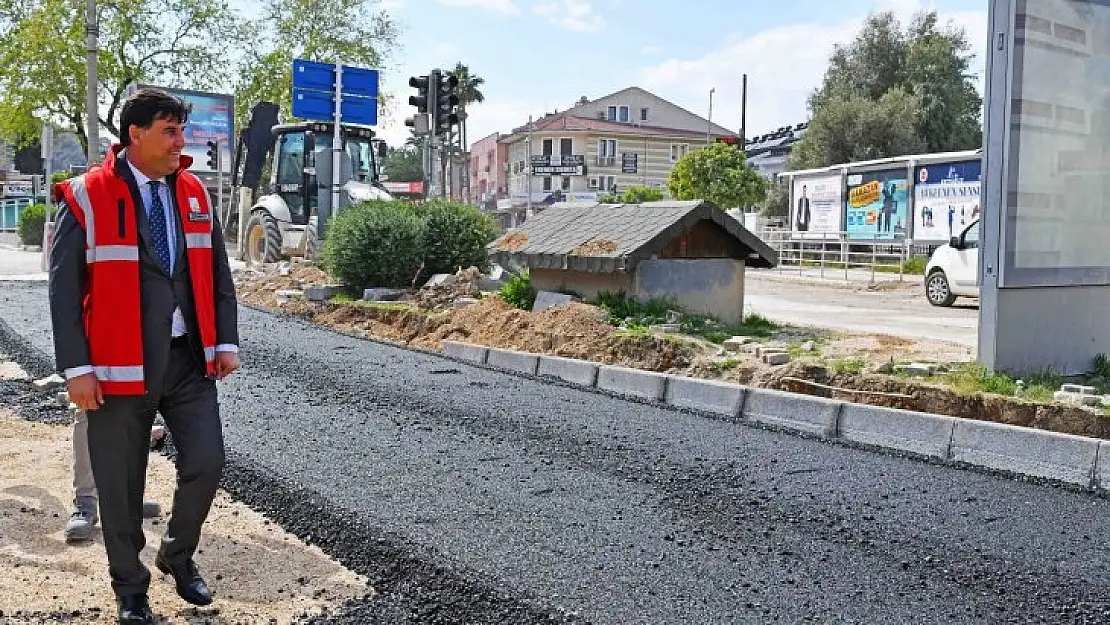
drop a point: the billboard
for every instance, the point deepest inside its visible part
(877, 206)
(946, 199)
(816, 205)
(212, 117)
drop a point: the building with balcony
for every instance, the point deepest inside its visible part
(488, 181)
(628, 138)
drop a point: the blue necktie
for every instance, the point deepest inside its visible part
(158, 226)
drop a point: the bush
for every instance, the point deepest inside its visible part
(455, 235)
(374, 244)
(518, 292)
(640, 194)
(31, 222)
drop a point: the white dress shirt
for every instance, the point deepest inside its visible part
(177, 327)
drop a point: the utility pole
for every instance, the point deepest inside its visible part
(744, 115)
(91, 112)
(528, 168)
(709, 125)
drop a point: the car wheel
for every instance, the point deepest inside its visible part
(937, 289)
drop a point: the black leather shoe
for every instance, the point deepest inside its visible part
(134, 610)
(190, 585)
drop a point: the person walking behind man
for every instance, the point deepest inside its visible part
(144, 316)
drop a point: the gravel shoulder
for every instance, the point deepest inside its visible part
(471, 496)
(259, 573)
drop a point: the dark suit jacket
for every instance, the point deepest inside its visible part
(160, 292)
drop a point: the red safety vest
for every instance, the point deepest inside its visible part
(101, 202)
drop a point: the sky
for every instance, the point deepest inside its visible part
(539, 56)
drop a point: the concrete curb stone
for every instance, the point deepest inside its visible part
(635, 382)
(580, 372)
(904, 430)
(706, 395)
(1039, 453)
(812, 415)
(521, 362)
(1036, 453)
(466, 351)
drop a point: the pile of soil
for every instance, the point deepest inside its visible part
(260, 287)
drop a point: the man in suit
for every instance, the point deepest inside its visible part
(802, 215)
(145, 319)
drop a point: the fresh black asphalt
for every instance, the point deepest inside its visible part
(472, 496)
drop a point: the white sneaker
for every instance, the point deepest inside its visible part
(81, 523)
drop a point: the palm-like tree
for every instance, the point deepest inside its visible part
(469, 92)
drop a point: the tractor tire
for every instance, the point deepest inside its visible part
(263, 238)
(312, 245)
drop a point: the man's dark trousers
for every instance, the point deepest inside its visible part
(119, 438)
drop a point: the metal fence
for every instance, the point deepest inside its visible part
(838, 253)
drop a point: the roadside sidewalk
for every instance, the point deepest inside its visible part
(856, 278)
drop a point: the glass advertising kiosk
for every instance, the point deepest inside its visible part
(1045, 257)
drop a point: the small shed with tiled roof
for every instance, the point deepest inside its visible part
(692, 252)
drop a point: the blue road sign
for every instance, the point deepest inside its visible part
(316, 76)
(320, 105)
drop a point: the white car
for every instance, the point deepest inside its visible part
(953, 269)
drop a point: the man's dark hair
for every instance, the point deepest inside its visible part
(147, 105)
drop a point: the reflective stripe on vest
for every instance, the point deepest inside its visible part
(106, 253)
(81, 194)
(132, 373)
(198, 241)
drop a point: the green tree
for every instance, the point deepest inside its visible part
(354, 32)
(404, 164)
(892, 92)
(470, 92)
(639, 195)
(855, 129)
(777, 201)
(716, 173)
(42, 42)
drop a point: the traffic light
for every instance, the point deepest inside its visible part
(419, 121)
(446, 102)
(214, 155)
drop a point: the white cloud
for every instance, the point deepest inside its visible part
(650, 50)
(508, 7)
(784, 65)
(578, 15)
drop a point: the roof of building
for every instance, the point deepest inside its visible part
(615, 237)
(565, 122)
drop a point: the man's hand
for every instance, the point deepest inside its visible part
(84, 390)
(226, 364)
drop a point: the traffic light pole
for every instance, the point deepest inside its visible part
(220, 184)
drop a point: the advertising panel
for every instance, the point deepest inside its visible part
(877, 206)
(817, 206)
(212, 117)
(946, 199)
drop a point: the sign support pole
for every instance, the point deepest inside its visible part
(336, 145)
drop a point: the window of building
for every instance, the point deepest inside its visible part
(565, 183)
(643, 114)
(623, 115)
(547, 183)
(611, 114)
(605, 183)
(606, 148)
(566, 147)
(547, 147)
(678, 150)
